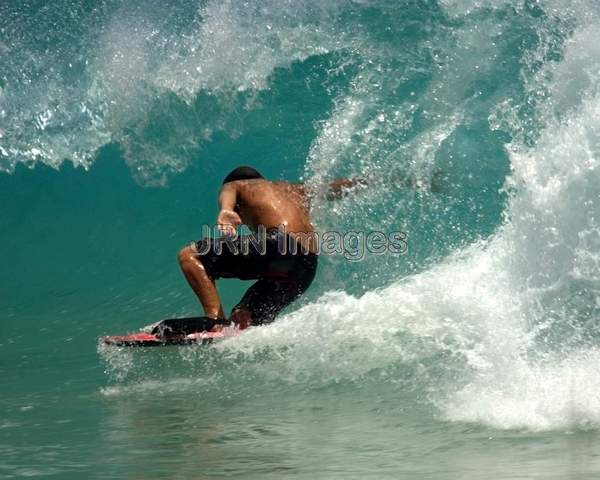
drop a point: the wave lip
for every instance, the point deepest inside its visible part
(132, 73)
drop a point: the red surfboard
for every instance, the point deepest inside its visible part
(175, 331)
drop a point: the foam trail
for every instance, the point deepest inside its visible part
(446, 309)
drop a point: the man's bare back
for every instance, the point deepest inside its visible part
(260, 202)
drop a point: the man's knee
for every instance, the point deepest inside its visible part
(187, 254)
(191, 261)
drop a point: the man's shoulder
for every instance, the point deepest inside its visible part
(274, 186)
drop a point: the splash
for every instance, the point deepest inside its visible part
(158, 80)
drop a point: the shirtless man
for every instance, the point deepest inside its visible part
(282, 276)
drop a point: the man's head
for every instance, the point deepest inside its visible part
(242, 173)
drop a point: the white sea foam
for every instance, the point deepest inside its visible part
(545, 276)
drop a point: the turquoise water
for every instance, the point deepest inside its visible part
(475, 355)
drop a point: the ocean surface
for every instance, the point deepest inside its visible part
(476, 355)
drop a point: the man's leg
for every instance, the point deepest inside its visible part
(263, 301)
(202, 284)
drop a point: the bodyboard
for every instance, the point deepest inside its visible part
(175, 331)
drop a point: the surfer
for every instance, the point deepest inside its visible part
(284, 265)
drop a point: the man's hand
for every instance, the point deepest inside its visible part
(228, 221)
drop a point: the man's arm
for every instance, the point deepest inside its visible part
(342, 186)
(333, 190)
(228, 220)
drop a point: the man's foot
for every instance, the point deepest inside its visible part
(241, 318)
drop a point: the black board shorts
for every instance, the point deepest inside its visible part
(284, 270)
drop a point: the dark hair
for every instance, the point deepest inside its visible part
(242, 173)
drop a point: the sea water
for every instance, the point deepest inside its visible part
(475, 355)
